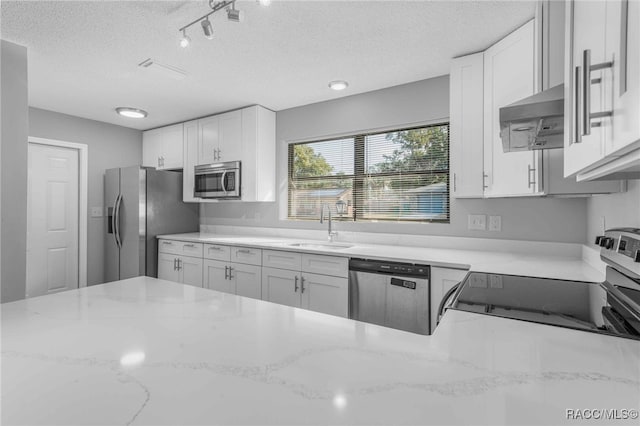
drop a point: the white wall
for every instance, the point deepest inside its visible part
(15, 125)
(546, 219)
(109, 146)
(614, 211)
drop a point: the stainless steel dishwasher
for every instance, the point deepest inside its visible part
(391, 294)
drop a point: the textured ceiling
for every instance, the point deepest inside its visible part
(84, 55)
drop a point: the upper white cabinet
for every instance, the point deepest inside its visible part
(220, 138)
(524, 62)
(466, 125)
(602, 64)
(509, 75)
(162, 148)
(247, 135)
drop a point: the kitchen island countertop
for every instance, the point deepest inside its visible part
(147, 351)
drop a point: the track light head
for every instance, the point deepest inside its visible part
(234, 14)
(185, 40)
(207, 28)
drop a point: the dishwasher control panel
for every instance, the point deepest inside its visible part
(391, 268)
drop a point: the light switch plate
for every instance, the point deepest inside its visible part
(495, 223)
(96, 211)
(477, 222)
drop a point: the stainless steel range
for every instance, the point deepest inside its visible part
(611, 307)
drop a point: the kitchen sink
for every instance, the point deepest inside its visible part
(321, 246)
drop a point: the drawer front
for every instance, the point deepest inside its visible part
(182, 248)
(217, 252)
(246, 255)
(325, 265)
(282, 259)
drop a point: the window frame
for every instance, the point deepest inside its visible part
(359, 175)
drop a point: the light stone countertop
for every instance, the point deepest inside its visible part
(552, 265)
(148, 351)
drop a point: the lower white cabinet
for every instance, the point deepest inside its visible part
(180, 269)
(301, 286)
(235, 278)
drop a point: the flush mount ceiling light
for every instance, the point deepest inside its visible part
(233, 14)
(338, 84)
(131, 112)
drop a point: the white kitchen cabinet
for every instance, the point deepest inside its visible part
(233, 277)
(606, 145)
(442, 280)
(303, 280)
(246, 135)
(190, 155)
(510, 74)
(220, 138)
(180, 269)
(281, 286)
(163, 148)
(466, 122)
(326, 294)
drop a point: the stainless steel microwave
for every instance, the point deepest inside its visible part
(217, 180)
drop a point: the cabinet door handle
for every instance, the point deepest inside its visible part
(587, 69)
(230, 271)
(215, 157)
(219, 154)
(454, 182)
(530, 183)
(295, 284)
(484, 181)
(578, 105)
(175, 264)
(226, 272)
(179, 264)
(301, 285)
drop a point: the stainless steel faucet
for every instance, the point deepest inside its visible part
(332, 234)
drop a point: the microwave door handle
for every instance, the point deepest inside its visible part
(224, 185)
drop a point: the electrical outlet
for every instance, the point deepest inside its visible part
(96, 211)
(477, 222)
(495, 223)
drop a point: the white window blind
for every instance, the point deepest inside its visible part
(401, 175)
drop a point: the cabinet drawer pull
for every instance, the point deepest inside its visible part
(245, 251)
(295, 284)
(167, 243)
(189, 245)
(215, 248)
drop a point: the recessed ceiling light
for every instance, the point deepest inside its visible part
(131, 112)
(338, 84)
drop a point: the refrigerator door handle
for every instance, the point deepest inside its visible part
(112, 216)
(116, 221)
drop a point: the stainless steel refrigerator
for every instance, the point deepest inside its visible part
(141, 204)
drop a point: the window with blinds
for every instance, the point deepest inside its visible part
(401, 175)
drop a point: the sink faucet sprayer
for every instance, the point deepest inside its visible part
(332, 234)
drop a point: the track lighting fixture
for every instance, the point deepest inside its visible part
(207, 28)
(233, 14)
(185, 40)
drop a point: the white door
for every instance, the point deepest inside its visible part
(509, 75)
(322, 293)
(281, 286)
(215, 276)
(230, 136)
(190, 269)
(248, 279)
(168, 267)
(52, 219)
(208, 141)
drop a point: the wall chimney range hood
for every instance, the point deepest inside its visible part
(535, 122)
